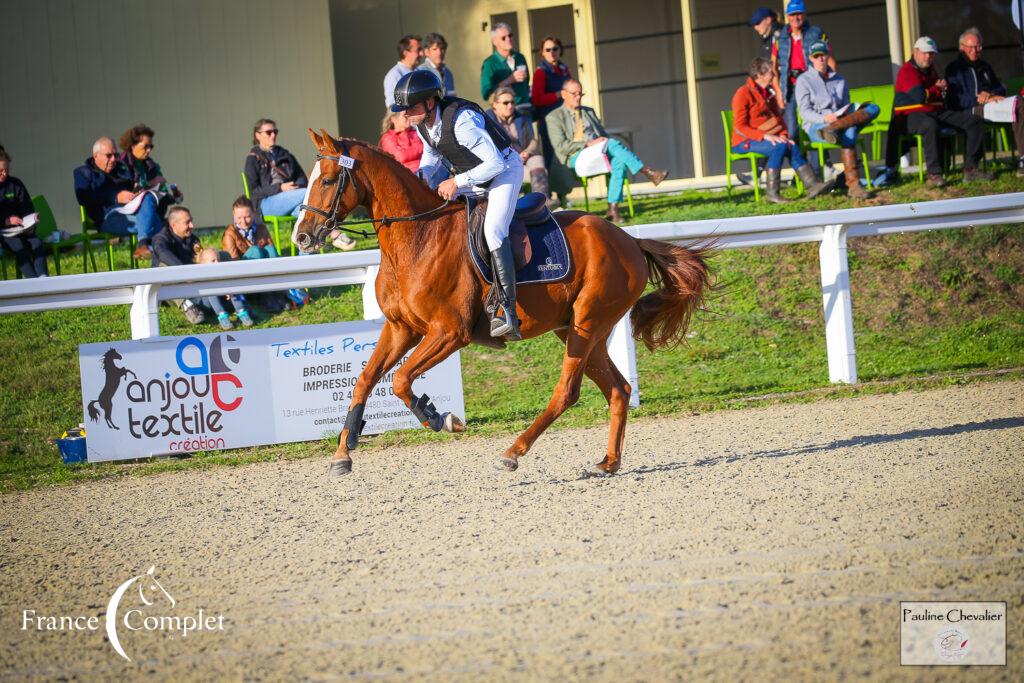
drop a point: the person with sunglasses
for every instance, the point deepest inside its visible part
(506, 67)
(546, 91)
(519, 129)
(103, 186)
(136, 145)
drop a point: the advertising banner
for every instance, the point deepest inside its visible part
(234, 389)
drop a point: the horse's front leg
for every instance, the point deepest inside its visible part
(395, 340)
(437, 345)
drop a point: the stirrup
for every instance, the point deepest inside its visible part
(503, 327)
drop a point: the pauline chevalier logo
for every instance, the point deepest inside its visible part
(121, 618)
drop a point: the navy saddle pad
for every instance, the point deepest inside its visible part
(533, 231)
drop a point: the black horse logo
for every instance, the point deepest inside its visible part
(106, 399)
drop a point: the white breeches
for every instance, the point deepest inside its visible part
(501, 201)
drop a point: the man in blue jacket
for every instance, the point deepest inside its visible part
(791, 56)
(972, 83)
(103, 185)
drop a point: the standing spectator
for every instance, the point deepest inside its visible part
(103, 185)
(546, 91)
(765, 23)
(21, 241)
(434, 49)
(820, 94)
(573, 127)
(520, 131)
(791, 57)
(408, 56)
(398, 139)
(973, 84)
(758, 127)
(918, 108)
(505, 67)
(136, 154)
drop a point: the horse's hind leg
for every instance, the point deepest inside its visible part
(395, 339)
(616, 390)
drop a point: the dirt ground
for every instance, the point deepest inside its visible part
(758, 544)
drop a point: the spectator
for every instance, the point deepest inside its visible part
(137, 147)
(434, 49)
(820, 94)
(573, 127)
(505, 67)
(103, 186)
(765, 23)
(758, 127)
(245, 238)
(400, 140)
(175, 245)
(520, 131)
(546, 91)
(973, 84)
(21, 241)
(918, 109)
(216, 302)
(408, 56)
(791, 57)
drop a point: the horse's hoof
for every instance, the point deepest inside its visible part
(507, 464)
(596, 471)
(453, 424)
(339, 468)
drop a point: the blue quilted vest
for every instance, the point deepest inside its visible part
(811, 35)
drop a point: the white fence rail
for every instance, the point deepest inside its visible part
(143, 289)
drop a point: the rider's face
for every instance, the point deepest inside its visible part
(416, 114)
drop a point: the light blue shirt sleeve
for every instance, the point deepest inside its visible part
(391, 79)
(471, 133)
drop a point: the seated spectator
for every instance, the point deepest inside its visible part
(506, 67)
(211, 255)
(520, 131)
(408, 57)
(245, 238)
(758, 126)
(820, 94)
(277, 183)
(103, 186)
(175, 245)
(434, 49)
(919, 109)
(400, 140)
(15, 204)
(573, 127)
(546, 91)
(137, 148)
(972, 84)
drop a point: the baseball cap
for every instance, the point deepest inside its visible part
(819, 47)
(925, 44)
(760, 14)
(796, 7)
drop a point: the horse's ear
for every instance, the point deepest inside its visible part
(317, 140)
(327, 137)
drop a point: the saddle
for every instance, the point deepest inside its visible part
(531, 211)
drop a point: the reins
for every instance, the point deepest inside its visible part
(332, 223)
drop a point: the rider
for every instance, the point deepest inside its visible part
(456, 134)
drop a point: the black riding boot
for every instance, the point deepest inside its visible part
(505, 277)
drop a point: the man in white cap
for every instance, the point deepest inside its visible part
(919, 109)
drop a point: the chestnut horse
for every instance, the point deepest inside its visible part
(432, 295)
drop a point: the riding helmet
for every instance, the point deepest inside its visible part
(415, 87)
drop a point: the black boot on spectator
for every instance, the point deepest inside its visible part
(812, 186)
(773, 178)
(972, 174)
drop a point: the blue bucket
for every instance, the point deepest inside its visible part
(72, 449)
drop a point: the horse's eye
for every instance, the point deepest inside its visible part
(327, 181)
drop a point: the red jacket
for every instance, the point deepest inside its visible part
(916, 90)
(405, 146)
(755, 114)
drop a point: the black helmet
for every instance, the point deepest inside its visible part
(415, 87)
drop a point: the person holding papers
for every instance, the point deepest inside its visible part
(574, 128)
(18, 223)
(823, 101)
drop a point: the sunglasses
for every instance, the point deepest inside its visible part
(508, 37)
(147, 146)
(271, 131)
(552, 49)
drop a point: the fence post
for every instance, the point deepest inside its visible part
(623, 353)
(144, 314)
(835, 290)
(371, 309)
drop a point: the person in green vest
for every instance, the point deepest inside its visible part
(506, 67)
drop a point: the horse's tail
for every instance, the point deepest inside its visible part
(93, 413)
(681, 275)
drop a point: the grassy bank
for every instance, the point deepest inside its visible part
(943, 304)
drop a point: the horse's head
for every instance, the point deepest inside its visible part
(110, 356)
(332, 193)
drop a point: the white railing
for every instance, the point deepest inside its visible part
(143, 289)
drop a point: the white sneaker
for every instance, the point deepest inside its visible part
(344, 242)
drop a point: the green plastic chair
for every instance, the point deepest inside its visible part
(276, 221)
(95, 234)
(822, 147)
(731, 156)
(48, 225)
(883, 96)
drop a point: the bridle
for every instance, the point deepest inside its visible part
(331, 221)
